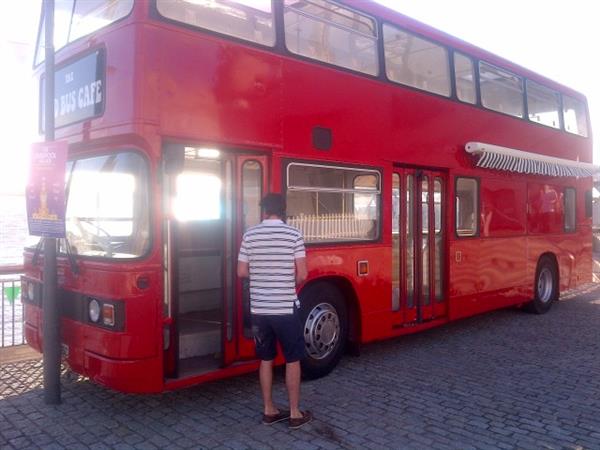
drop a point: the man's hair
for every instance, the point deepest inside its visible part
(273, 205)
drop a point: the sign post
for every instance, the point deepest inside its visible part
(46, 216)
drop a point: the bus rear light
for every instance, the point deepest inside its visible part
(108, 315)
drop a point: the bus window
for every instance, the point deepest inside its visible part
(251, 193)
(108, 206)
(545, 208)
(589, 204)
(438, 267)
(331, 33)
(90, 15)
(251, 20)
(73, 20)
(465, 78)
(543, 105)
(574, 116)
(467, 201)
(333, 203)
(501, 91)
(415, 62)
(395, 242)
(569, 208)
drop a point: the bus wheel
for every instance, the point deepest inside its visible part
(546, 287)
(323, 317)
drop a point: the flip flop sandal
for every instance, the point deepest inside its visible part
(270, 419)
(300, 421)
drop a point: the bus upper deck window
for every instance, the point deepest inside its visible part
(416, 62)
(331, 33)
(575, 116)
(75, 19)
(465, 78)
(501, 90)
(543, 105)
(251, 20)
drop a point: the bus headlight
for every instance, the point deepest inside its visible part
(94, 310)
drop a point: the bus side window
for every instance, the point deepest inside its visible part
(574, 116)
(466, 207)
(501, 90)
(569, 199)
(589, 204)
(465, 79)
(329, 32)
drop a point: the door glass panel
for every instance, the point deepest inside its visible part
(229, 248)
(252, 175)
(438, 264)
(251, 193)
(410, 242)
(425, 238)
(202, 259)
(203, 176)
(395, 242)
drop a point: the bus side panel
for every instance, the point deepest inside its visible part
(133, 376)
(220, 90)
(463, 258)
(372, 290)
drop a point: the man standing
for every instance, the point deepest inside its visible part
(272, 255)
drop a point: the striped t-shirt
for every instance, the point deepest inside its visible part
(270, 249)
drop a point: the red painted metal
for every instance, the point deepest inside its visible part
(166, 83)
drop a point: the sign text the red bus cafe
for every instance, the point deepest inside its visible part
(79, 90)
(46, 189)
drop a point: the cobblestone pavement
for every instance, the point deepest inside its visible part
(504, 380)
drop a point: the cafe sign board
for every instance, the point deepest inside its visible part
(79, 90)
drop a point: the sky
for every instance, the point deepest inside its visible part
(552, 37)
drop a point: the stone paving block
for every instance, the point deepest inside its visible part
(473, 384)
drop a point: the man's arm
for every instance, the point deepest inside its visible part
(301, 270)
(242, 269)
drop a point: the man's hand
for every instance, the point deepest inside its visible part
(242, 269)
(301, 270)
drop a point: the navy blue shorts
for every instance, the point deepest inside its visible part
(285, 329)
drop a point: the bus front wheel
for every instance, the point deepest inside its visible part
(324, 323)
(546, 287)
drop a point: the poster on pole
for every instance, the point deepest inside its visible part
(46, 189)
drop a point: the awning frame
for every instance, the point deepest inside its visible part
(519, 161)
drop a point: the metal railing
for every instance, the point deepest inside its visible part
(11, 308)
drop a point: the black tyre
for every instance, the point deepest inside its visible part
(546, 287)
(325, 326)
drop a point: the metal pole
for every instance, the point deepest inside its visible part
(50, 306)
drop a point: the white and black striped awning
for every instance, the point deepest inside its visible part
(512, 160)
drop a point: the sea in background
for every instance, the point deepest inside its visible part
(13, 229)
(13, 236)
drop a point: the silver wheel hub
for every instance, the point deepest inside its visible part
(321, 331)
(545, 285)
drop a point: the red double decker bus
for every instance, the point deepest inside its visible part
(432, 180)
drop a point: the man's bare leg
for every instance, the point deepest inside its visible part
(292, 382)
(266, 385)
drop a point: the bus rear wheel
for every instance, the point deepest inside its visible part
(324, 323)
(546, 287)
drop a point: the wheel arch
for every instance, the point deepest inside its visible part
(344, 286)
